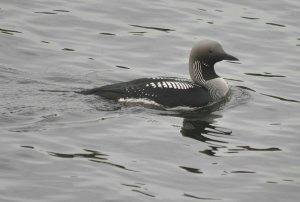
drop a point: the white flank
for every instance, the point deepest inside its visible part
(151, 102)
(183, 108)
(139, 100)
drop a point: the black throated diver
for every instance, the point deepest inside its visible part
(206, 86)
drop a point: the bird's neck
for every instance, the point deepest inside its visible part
(204, 74)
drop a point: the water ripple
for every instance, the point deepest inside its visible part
(91, 155)
(250, 18)
(154, 28)
(275, 24)
(9, 31)
(281, 98)
(191, 170)
(265, 74)
(46, 12)
(200, 198)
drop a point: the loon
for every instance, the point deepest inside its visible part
(205, 87)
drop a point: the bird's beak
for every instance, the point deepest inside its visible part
(227, 56)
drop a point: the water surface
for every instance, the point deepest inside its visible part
(57, 145)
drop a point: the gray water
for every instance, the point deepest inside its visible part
(57, 145)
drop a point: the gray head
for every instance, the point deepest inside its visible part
(209, 52)
(203, 56)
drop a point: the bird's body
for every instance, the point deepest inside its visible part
(204, 88)
(166, 91)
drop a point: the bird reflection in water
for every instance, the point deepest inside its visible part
(203, 131)
(203, 128)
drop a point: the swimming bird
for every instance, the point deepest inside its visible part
(205, 87)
